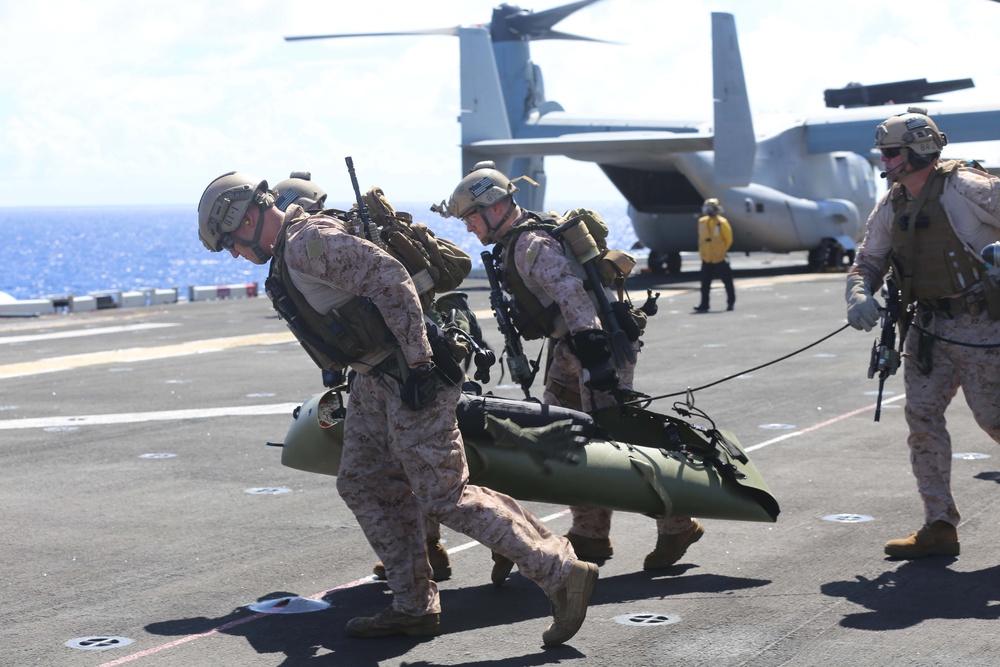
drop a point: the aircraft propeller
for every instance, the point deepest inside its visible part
(510, 23)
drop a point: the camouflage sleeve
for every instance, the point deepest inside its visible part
(872, 259)
(360, 267)
(539, 258)
(972, 202)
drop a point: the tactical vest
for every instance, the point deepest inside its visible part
(334, 340)
(940, 265)
(532, 319)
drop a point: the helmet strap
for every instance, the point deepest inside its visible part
(254, 244)
(503, 220)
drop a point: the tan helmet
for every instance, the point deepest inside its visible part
(484, 186)
(914, 130)
(299, 189)
(712, 206)
(224, 205)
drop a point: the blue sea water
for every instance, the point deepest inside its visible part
(59, 251)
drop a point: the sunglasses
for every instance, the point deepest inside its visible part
(890, 153)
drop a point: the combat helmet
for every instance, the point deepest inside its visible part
(224, 204)
(299, 189)
(913, 130)
(712, 206)
(484, 186)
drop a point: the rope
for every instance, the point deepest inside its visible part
(985, 346)
(689, 391)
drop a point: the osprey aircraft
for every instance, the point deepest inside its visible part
(809, 186)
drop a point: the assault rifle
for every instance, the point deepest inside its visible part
(522, 371)
(366, 218)
(885, 357)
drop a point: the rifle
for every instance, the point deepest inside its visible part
(585, 250)
(366, 218)
(522, 370)
(885, 357)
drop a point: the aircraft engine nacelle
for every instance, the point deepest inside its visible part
(769, 220)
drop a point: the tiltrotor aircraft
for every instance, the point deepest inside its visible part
(808, 187)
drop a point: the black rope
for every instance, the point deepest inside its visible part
(689, 391)
(985, 346)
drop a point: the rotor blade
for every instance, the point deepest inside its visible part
(555, 34)
(429, 31)
(534, 25)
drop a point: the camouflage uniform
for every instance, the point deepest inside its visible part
(398, 462)
(972, 203)
(549, 275)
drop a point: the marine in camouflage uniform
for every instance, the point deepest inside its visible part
(403, 452)
(484, 201)
(954, 339)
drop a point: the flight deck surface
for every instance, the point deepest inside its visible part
(142, 505)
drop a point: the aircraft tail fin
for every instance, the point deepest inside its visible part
(485, 114)
(734, 144)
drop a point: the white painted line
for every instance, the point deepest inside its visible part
(134, 354)
(139, 417)
(820, 425)
(76, 333)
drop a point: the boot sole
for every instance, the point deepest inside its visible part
(907, 553)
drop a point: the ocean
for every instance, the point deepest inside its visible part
(61, 251)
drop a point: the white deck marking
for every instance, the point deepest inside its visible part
(138, 417)
(76, 333)
(134, 354)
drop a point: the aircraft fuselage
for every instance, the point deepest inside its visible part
(794, 201)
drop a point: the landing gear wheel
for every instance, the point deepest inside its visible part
(830, 256)
(673, 263)
(656, 262)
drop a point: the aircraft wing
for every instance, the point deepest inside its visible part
(854, 131)
(618, 148)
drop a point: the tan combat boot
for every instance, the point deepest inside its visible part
(569, 603)
(935, 539)
(501, 569)
(590, 548)
(670, 548)
(436, 554)
(390, 622)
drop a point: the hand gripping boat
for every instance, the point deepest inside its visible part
(635, 460)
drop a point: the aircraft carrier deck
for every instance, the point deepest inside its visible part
(143, 511)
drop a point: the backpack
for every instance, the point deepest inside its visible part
(417, 248)
(613, 266)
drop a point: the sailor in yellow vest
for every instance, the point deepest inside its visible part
(715, 236)
(930, 228)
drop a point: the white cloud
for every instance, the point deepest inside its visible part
(108, 102)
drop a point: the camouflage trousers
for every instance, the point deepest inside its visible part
(977, 372)
(564, 387)
(398, 462)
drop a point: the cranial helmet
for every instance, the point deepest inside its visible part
(299, 189)
(711, 206)
(484, 186)
(224, 206)
(913, 130)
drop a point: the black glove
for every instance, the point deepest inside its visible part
(333, 379)
(591, 348)
(420, 387)
(555, 441)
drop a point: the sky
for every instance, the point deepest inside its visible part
(126, 102)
